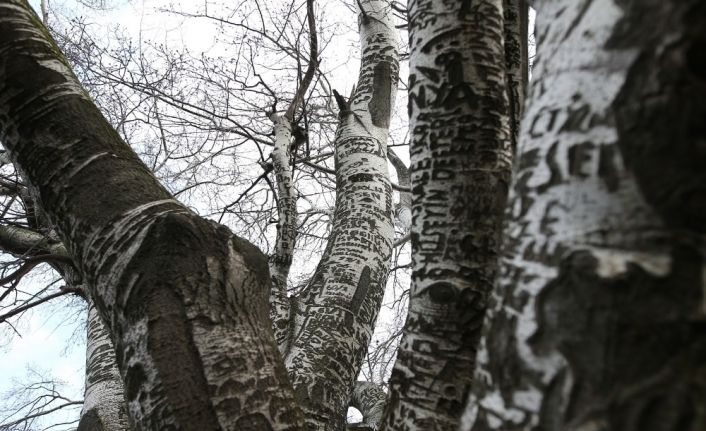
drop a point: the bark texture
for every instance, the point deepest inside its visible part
(185, 300)
(281, 259)
(335, 315)
(599, 319)
(516, 14)
(104, 407)
(460, 161)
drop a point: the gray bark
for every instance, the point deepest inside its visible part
(185, 300)
(598, 320)
(461, 155)
(335, 314)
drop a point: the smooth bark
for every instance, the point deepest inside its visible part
(185, 300)
(598, 320)
(461, 155)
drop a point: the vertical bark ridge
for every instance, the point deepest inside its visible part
(461, 156)
(185, 300)
(515, 14)
(598, 320)
(337, 310)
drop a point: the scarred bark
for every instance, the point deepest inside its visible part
(598, 321)
(281, 260)
(185, 300)
(460, 161)
(335, 314)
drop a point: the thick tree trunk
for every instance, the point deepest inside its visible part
(460, 160)
(599, 320)
(185, 300)
(335, 314)
(104, 407)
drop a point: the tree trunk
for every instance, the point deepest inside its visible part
(461, 156)
(599, 318)
(104, 396)
(335, 314)
(185, 300)
(281, 260)
(515, 15)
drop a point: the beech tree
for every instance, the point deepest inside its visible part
(602, 263)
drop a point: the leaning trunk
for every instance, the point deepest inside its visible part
(186, 302)
(599, 316)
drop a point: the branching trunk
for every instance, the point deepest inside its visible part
(186, 301)
(461, 156)
(336, 312)
(599, 316)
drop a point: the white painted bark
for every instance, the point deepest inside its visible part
(185, 300)
(461, 156)
(597, 323)
(335, 315)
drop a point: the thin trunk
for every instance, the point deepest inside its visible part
(186, 301)
(461, 156)
(281, 260)
(104, 406)
(599, 316)
(336, 313)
